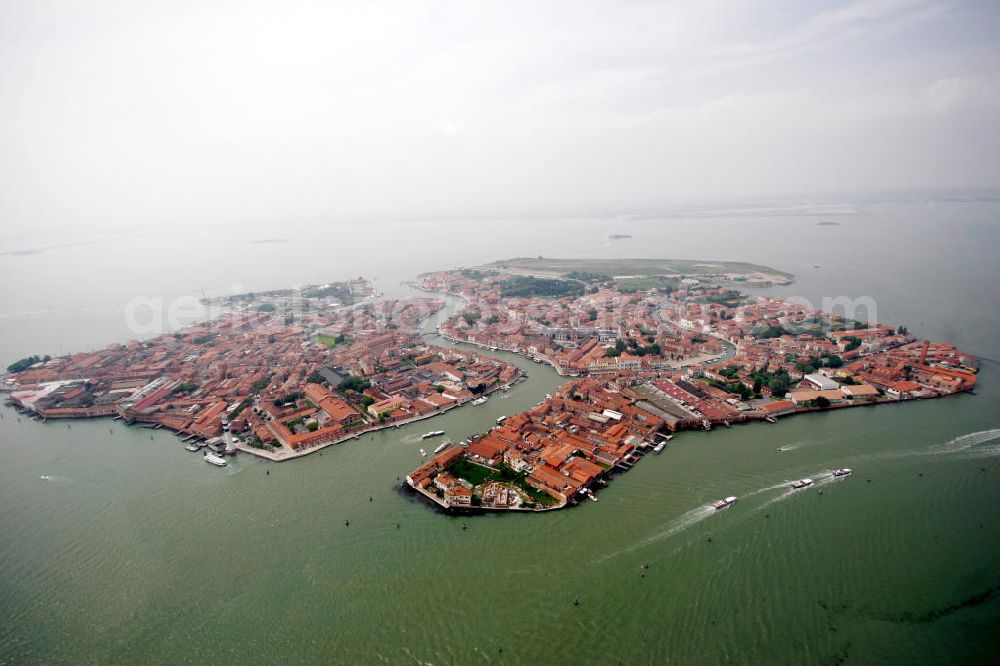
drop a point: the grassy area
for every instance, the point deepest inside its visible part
(527, 285)
(327, 340)
(631, 284)
(638, 267)
(471, 472)
(539, 496)
(478, 474)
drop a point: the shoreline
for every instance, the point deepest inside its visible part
(305, 451)
(618, 469)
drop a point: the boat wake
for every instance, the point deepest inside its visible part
(766, 489)
(980, 444)
(686, 520)
(820, 479)
(689, 519)
(971, 444)
(676, 526)
(802, 443)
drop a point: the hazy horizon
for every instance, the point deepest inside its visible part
(125, 118)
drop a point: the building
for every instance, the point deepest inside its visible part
(385, 406)
(821, 382)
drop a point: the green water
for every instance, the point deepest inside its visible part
(140, 552)
(134, 551)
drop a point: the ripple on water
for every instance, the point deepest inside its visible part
(981, 444)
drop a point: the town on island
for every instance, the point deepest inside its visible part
(648, 347)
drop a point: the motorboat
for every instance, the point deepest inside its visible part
(213, 459)
(844, 471)
(192, 447)
(440, 448)
(723, 503)
(423, 454)
(659, 447)
(480, 400)
(501, 419)
(802, 483)
(432, 433)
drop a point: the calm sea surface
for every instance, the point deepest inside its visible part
(133, 551)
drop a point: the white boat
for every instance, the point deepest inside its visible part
(802, 483)
(480, 401)
(440, 448)
(192, 447)
(432, 433)
(723, 503)
(771, 419)
(501, 419)
(423, 454)
(844, 471)
(659, 447)
(215, 460)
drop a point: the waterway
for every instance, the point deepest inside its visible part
(118, 546)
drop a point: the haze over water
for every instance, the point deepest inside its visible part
(132, 550)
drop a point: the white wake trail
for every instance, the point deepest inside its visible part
(965, 442)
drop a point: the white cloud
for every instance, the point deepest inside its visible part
(950, 93)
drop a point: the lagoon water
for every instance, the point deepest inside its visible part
(117, 546)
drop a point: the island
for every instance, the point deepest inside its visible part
(649, 354)
(279, 374)
(649, 348)
(642, 273)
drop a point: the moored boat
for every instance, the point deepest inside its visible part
(215, 460)
(432, 433)
(480, 400)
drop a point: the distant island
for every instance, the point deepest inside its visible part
(618, 236)
(828, 223)
(643, 273)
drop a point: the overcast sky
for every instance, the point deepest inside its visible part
(135, 115)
